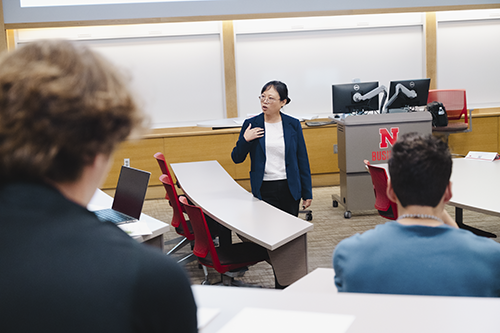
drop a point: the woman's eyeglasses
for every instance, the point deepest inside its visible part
(264, 99)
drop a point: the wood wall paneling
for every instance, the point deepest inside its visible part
(484, 137)
(229, 69)
(498, 135)
(141, 157)
(3, 34)
(431, 48)
(202, 148)
(320, 142)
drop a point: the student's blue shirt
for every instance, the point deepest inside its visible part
(401, 259)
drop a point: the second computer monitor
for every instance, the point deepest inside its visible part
(417, 89)
(344, 101)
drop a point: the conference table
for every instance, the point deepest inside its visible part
(320, 280)
(474, 184)
(225, 310)
(210, 187)
(156, 227)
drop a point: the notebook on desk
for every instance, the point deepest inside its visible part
(129, 197)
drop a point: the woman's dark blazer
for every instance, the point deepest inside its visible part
(296, 160)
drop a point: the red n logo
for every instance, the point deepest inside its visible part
(386, 137)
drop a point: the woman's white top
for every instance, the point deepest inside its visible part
(275, 152)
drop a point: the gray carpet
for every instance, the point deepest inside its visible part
(330, 227)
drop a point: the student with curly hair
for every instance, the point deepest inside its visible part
(63, 111)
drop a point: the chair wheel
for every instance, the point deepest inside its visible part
(309, 217)
(347, 214)
(205, 283)
(335, 203)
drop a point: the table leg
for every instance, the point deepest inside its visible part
(157, 241)
(459, 218)
(290, 261)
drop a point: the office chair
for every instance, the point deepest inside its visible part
(386, 208)
(308, 212)
(162, 163)
(222, 234)
(228, 260)
(455, 103)
(181, 225)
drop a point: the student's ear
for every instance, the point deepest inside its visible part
(447, 193)
(390, 192)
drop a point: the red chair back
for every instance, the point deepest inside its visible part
(383, 204)
(164, 168)
(162, 163)
(454, 101)
(178, 220)
(203, 243)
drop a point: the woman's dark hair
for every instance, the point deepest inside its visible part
(280, 88)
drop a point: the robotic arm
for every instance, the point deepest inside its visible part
(357, 97)
(400, 88)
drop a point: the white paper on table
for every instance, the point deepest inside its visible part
(481, 155)
(253, 320)
(205, 315)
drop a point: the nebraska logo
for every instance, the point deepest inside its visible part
(387, 138)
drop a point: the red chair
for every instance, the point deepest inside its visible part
(164, 168)
(227, 260)
(181, 225)
(455, 103)
(386, 208)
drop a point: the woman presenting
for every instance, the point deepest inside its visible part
(280, 173)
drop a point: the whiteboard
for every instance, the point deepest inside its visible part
(468, 54)
(178, 80)
(309, 62)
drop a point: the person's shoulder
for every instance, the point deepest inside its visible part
(474, 241)
(153, 256)
(154, 262)
(158, 272)
(375, 235)
(289, 118)
(162, 288)
(256, 118)
(290, 121)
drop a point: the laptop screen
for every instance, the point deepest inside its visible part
(131, 191)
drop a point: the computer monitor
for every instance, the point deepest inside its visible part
(353, 98)
(408, 93)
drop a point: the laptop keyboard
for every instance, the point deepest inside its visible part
(114, 216)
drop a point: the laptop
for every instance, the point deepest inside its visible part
(129, 197)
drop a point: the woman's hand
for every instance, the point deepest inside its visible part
(253, 133)
(306, 203)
